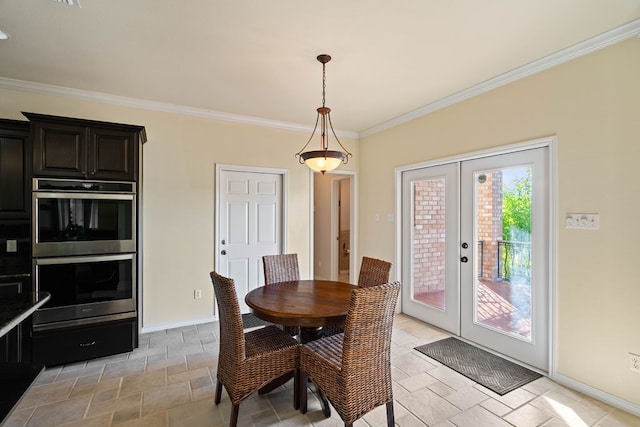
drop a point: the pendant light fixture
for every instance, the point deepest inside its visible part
(323, 160)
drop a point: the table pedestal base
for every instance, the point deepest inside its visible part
(309, 334)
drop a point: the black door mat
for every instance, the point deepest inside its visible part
(251, 321)
(491, 371)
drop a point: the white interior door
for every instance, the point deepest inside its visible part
(430, 245)
(249, 226)
(505, 281)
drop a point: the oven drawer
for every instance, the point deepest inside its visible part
(60, 346)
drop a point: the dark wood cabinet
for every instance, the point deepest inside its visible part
(86, 149)
(15, 159)
(12, 344)
(60, 346)
(66, 148)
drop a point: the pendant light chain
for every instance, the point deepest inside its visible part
(324, 138)
(324, 159)
(324, 82)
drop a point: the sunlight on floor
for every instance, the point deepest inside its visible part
(567, 414)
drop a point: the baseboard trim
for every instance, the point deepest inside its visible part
(598, 394)
(182, 324)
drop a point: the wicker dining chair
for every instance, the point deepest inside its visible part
(281, 268)
(373, 272)
(248, 361)
(353, 369)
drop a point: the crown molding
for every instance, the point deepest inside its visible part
(621, 33)
(624, 32)
(124, 101)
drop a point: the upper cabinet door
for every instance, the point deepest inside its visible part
(86, 149)
(59, 150)
(15, 157)
(112, 154)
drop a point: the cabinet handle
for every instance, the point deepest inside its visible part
(88, 344)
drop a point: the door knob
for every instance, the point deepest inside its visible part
(224, 242)
(223, 252)
(464, 259)
(465, 245)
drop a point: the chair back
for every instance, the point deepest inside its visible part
(373, 272)
(280, 268)
(366, 355)
(230, 318)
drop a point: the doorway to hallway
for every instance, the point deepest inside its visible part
(333, 229)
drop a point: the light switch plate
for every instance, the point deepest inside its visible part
(582, 220)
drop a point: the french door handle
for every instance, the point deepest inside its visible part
(464, 259)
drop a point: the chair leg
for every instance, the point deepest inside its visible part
(233, 422)
(218, 391)
(304, 379)
(324, 402)
(390, 418)
(296, 389)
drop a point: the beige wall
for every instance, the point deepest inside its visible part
(592, 105)
(178, 178)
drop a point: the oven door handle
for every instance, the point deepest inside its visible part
(89, 196)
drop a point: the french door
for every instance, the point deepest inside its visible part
(430, 228)
(476, 232)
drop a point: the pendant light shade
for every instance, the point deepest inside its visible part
(324, 159)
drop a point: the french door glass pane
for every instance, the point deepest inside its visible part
(428, 242)
(502, 297)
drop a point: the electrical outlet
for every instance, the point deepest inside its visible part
(12, 245)
(634, 362)
(197, 293)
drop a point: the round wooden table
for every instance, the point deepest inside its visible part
(308, 304)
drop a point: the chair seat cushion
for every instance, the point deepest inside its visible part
(266, 340)
(329, 349)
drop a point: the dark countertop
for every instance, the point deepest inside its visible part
(15, 309)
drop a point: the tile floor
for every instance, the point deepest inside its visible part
(170, 381)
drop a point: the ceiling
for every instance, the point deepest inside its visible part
(257, 58)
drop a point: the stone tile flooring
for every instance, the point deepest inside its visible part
(170, 381)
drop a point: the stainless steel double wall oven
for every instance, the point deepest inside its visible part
(84, 251)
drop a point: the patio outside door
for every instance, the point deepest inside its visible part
(505, 281)
(430, 237)
(479, 269)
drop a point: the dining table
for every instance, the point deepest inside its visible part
(307, 304)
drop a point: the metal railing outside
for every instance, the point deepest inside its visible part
(514, 261)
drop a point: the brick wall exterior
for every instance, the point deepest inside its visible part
(429, 235)
(489, 211)
(429, 230)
